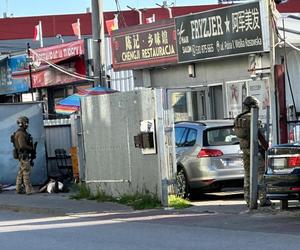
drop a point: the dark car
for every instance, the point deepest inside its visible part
(282, 175)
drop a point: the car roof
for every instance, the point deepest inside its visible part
(207, 123)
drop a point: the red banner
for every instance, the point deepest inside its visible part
(59, 52)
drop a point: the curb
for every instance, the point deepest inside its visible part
(38, 210)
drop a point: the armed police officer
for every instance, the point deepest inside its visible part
(24, 151)
(242, 124)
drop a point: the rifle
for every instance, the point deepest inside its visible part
(33, 152)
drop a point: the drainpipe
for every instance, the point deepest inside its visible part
(170, 12)
(165, 6)
(139, 12)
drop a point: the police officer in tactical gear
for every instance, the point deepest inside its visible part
(242, 125)
(24, 146)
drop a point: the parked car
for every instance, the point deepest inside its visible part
(282, 177)
(208, 156)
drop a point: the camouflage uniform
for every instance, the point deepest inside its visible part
(242, 125)
(24, 148)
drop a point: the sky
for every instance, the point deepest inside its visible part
(20, 8)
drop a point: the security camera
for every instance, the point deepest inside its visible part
(192, 70)
(253, 76)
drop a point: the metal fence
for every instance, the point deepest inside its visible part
(57, 135)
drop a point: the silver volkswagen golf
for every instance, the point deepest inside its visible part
(208, 156)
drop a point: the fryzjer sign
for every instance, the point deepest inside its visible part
(144, 46)
(222, 32)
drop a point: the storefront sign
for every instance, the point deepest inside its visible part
(10, 82)
(42, 76)
(223, 32)
(144, 46)
(59, 52)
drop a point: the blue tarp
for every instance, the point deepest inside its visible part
(9, 114)
(74, 100)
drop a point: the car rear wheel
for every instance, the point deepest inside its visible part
(183, 189)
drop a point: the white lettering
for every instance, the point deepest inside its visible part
(206, 27)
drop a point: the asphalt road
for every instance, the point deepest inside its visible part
(207, 225)
(107, 231)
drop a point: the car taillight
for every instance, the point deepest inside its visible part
(294, 161)
(209, 153)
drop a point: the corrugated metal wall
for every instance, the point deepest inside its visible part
(57, 135)
(113, 163)
(121, 80)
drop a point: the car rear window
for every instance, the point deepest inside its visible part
(185, 137)
(220, 136)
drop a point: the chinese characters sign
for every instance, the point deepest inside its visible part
(222, 32)
(144, 46)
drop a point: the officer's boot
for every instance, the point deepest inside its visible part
(19, 185)
(263, 200)
(29, 189)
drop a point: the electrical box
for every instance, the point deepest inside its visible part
(145, 140)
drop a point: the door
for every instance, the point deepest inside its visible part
(216, 102)
(200, 101)
(189, 103)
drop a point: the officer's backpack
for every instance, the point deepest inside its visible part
(15, 150)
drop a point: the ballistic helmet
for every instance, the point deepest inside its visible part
(22, 120)
(250, 102)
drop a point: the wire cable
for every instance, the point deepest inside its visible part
(59, 68)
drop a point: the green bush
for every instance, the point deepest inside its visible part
(140, 201)
(178, 203)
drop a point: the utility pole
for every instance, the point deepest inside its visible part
(98, 42)
(273, 88)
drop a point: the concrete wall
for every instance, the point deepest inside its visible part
(214, 71)
(113, 164)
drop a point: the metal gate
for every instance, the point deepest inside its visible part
(113, 161)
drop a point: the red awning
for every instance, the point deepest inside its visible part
(58, 53)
